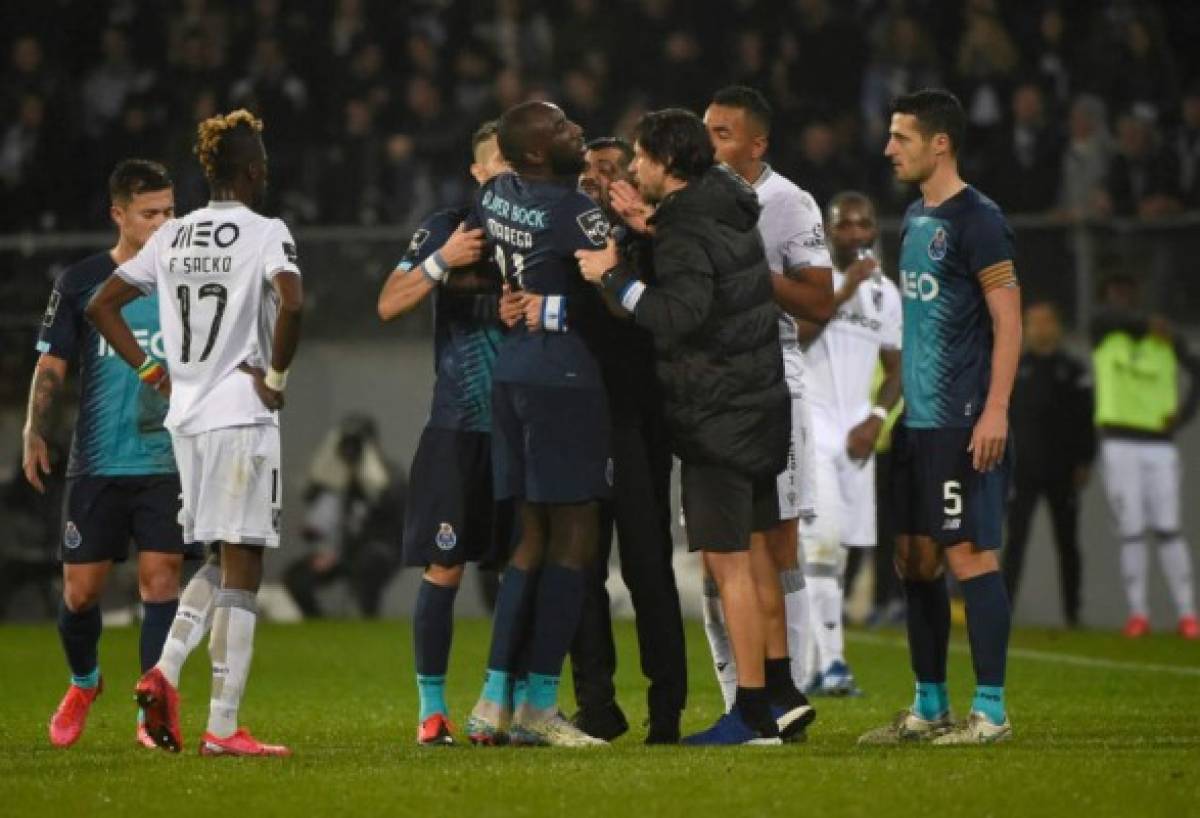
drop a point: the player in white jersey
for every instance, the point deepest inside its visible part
(841, 360)
(739, 123)
(229, 304)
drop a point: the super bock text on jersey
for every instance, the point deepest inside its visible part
(451, 516)
(121, 456)
(550, 416)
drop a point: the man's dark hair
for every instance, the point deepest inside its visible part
(606, 142)
(749, 100)
(845, 198)
(937, 111)
(133, 176)
(483, 133)
(678, 139)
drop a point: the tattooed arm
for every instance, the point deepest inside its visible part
(48, 377)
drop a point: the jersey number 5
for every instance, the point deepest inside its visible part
(952, 494)
(184, 293)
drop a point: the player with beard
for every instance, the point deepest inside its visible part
(550, 424)
(451, 519)
(640, 509)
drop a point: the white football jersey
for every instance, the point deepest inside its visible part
(213, 271)
(794, 236)
(842, 359)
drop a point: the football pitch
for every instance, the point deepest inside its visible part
(1103, 727)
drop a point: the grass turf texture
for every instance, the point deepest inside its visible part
(1090, 740)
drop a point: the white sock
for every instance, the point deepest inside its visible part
(825, 602)
(1134, 564)
(795, 609)
(231, 647)
(192, 620)
(718, 643)
(1176, 562)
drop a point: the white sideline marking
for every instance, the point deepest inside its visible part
(1041, 656)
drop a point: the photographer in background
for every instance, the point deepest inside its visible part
(354, 504)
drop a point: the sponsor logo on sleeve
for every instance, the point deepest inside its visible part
(51, 308)
(417, 240)
(72, 539)
(289, 252)
(815, 240)
(594, 226)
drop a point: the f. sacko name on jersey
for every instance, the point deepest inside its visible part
(200, 235)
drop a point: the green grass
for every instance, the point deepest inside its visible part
(1090, 741)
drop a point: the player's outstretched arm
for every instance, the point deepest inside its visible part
(49, 374)
(991, 431)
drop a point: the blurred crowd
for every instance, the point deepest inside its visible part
(1082, 108)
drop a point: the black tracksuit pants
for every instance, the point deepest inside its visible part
(1059, 490)
(640, 512)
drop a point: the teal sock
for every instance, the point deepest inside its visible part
(520, 692)
(88, 680)
(989, 701)
(432, 690)
(932, 701)
(543, 691)
(495, 687)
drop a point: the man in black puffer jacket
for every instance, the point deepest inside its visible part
(715, 328)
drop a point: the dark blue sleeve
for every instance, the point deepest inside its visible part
(987, 240)
(62, 324)
(428, 239)
(579, 224)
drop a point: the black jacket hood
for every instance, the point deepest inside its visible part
(719, 194)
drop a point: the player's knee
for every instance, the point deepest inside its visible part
(159, 581)
(967, 561)
(918, 560)
(445, 576)
(79, 596)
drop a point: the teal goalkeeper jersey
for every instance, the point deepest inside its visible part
(949, 256)
(119, 430)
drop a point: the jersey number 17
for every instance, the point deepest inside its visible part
(184, 293)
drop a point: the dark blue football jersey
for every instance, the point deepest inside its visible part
(466, 330)
(533, 229)
(948, 254)
(119, 430)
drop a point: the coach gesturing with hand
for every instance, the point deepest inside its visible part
(717, 357)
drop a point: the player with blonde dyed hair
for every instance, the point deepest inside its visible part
(230, 316)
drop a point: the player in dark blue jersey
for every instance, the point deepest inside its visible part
(122, 483)
(550, 430)
(451, 518)
(962, 339)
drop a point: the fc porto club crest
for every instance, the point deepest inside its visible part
(71, 537)
(446, 539)
(937, 245)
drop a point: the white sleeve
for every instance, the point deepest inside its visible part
(804, 245)
(279, 251)
(142, 270)
(893, 317)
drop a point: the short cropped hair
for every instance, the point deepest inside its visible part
(677, 139)
(608, 142)
(133, 176)
(937, 111)
(484, 132)
(746, 99)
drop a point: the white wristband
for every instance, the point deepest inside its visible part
(879, 412)
(276, 380)
(434, 267)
